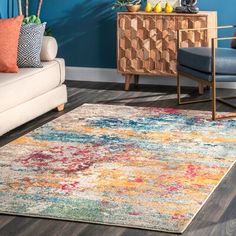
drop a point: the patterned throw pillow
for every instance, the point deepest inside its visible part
(30, 44)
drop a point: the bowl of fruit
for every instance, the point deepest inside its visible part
(131, 5)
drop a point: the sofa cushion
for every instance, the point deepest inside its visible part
(9, 36)
(29, 110)
(30, 83)
(200, 59)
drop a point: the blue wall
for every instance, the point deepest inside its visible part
(8, 8)
(85, 29)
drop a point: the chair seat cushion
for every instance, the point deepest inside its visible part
(30, 83)
(205, 76)
(200, 59)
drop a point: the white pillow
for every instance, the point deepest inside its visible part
(49, 49)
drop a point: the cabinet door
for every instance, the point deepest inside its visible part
(193, 38)
(137, 41)
(168, 50)
(127, 42)
(147, 44)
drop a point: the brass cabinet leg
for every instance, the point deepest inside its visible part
(127, 82)
(136, 80)
(201, 88)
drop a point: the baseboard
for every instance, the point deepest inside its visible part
(111, 75)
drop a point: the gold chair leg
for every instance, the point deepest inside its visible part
(213, 98)
(178, 89)
(179, 94)
(224, 101)
(213, 101)
(213, 72)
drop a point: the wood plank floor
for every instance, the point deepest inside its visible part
(217, 217)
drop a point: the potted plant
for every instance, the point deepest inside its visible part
(33, 18)
(20, 11)
(131, 5)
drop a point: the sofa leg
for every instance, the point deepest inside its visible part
(61, 107)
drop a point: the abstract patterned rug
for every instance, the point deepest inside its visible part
(150, 168)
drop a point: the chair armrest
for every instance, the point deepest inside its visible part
(202, 29)
(226, 38)
(209, 28)
(213, 53)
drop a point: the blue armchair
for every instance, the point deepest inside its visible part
(207, 66)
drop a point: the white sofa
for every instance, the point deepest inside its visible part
(31, 93)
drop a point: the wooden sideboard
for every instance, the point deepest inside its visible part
(147, 42)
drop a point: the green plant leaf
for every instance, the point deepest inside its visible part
(26, 20)
(37, 20)
(32, 19)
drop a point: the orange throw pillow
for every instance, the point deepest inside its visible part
(9, 37)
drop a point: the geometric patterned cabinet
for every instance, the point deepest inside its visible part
(147, 42)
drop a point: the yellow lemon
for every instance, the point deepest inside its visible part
(148, 7)
(168, 8)
(158, 8)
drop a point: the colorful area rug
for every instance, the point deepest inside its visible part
(148, 168)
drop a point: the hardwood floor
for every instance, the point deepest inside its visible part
(217, 217)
